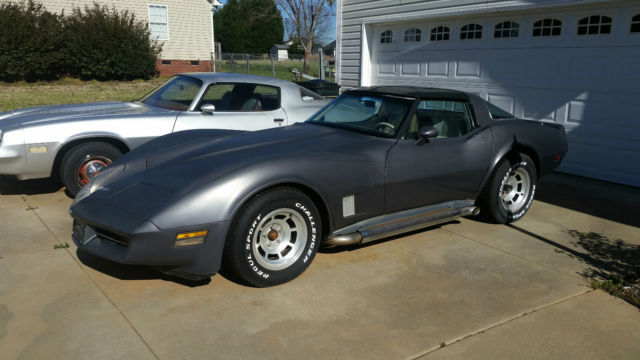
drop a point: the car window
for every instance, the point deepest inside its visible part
(308, 95)
(241, 97)
(450, 118)
(175, 94)
(377, 115)
(497, 113)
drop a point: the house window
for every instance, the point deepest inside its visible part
(635, 24)
(594, 24)
(547, 27)
(506, 29)
(440, 33)
(158, 22)
(386, 37)
(412, 35)
(471, 31)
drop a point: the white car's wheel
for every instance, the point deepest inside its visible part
(83, 162)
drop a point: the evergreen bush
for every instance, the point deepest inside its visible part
(30, 42)
(94, 43)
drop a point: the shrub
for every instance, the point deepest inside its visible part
(30, 42)
(96, 43)
(106, 44)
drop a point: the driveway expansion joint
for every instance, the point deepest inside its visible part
(497, 324)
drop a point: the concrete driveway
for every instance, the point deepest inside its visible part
(465, 290)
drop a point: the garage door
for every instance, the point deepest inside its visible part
(577, 68)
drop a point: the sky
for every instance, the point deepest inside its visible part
(330, 36)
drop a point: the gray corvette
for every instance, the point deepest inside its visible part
(75, 142)
(373, 163)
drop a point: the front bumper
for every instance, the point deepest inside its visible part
(122, 238)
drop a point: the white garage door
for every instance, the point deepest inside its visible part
(577, 68)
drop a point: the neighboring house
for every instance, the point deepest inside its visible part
(573, 62)
(279, 52)
(329, 49)
(183, 27)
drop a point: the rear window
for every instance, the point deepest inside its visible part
(497, 113)
(308, 95)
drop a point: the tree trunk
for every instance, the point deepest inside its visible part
(306, 67)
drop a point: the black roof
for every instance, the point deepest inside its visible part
(415, 92)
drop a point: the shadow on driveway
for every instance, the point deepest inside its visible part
(605, 200)
(132, 272)
(10, 185)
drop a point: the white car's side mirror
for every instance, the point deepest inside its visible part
(208, 108)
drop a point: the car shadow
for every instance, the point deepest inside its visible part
(10, 185)
(602, 199)
(133, 272)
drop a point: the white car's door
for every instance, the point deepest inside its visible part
(238, 106)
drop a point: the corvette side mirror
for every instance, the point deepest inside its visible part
(208, 108)
(425, 133)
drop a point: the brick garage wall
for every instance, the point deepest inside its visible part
(171, 67)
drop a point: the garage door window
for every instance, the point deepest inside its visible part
(386, 37)
(506, 29)
(412, 35)
(635, 24)
(471, 31)
(547, 27)
(440, 33)
(594, 24)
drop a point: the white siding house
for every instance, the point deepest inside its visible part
(183, 27)
(573, 62)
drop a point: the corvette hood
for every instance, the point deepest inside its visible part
(61, 113)
(187, 159)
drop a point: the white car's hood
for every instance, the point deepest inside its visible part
(61, 113)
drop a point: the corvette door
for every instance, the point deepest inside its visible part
(235, 106)
(449, 167)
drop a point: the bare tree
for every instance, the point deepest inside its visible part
(307, 19)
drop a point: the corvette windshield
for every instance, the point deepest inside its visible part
(376, 115)
(175, 94)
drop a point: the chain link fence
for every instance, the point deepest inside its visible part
(289, 69)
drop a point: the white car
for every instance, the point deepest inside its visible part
(74, 142)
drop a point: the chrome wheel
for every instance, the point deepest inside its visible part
(279, 239)
(89, 167)
(515, 189)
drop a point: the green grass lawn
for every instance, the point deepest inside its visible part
(71, 91)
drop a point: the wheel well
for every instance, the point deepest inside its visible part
(55, 170)
(530, 153)
(312, 194)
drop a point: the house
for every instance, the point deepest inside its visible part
(183, 27)
(330, 49)
(279, 52)
(572, 62)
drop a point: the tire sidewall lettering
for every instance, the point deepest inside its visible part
(308, 214)
(522, 211)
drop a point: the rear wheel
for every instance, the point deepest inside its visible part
(510, 191)
(83, 162)
(273, 238)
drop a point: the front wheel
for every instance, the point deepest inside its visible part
(510, 191)
(273, 238)
(83, 162)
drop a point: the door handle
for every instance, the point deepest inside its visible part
(279, 121)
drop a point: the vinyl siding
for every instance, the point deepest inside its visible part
(189, 23)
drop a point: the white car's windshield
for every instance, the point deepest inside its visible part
(175, 94)
(376, 115)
